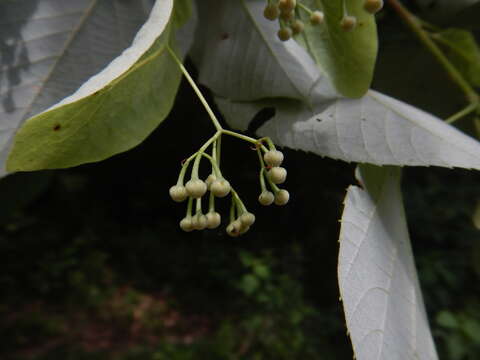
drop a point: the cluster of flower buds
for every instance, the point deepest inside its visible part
(273, 174)
(216, 186)
(288, 14)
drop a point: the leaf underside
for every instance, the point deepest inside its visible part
(50, 47)
(114, 110)
(378, 282)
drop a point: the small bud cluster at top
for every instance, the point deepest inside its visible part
(218, 187)
(287, 12)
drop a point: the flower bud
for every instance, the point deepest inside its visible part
(199, 221)
(220, 188)
(266, 198)
(271, 12)
(284, 34)
(178, 193)
(277, 174)
(210, 179)
(287, 16)
(297, 27)
(186, 224)
(282, 197)
(317, 18)
(196, 188)
(273, 157)
(287, 5)
(348, 23)
(234, 228)
(373, 6)
(213, 220)
(247, 219)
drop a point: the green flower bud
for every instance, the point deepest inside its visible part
(247, 219)
(273, 158)
(266, 198)
(297, 27)
(317, 18)
(271, 12)
(220, 188)
(178, 193)
(287, 5)
(348, 23)
(282, 197)
(284, 34)
(277, 174)
(186, 224)
(196, 188)
(213, 220)
(373, 6)
(287, 16)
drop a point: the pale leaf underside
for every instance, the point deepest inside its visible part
(50, 47)
(378, 282)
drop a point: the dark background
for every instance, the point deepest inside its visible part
(94, 266)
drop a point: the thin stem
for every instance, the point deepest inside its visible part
(195, 88)
(201, 152)
(304, 8)
(464, 112)
(415, 26)
(244, 137)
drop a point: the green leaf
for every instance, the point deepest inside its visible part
(113, 111)
(249, 284)
(463, 51)
(447, 319)
(347, 57)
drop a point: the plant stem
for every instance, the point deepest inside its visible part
(415, 26)
(244, 137)
(467, 110)
(195, 88)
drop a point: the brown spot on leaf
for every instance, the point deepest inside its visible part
(57, 127)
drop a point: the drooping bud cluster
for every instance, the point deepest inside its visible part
(274, 175)
(291, 21)
(216, 186)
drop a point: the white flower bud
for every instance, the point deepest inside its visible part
(186, 224)
(213, 220)
(210, 179)
(178, 193)
(273, 157)
(247, 219)
(317, 18)
(297, 27)
(282, 197)
(284, 34)
(277, 174)
(266, 198)
(196, 188)
(199, 222)
(348, 23)
(271, 12)
(373, 6)
(220, 188)
(234, 228)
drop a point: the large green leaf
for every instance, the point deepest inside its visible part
(114, 110)
(462, 49)
(49, 48)
(347, 57)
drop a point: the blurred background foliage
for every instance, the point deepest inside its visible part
(94, 265)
